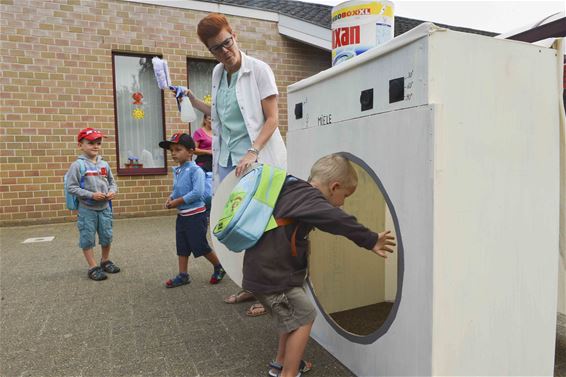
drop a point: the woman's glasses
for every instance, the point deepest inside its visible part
(227, 43)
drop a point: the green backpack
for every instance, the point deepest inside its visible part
(248, 213)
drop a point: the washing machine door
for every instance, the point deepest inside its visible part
(374, 315)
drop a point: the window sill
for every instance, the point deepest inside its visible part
(141, 171)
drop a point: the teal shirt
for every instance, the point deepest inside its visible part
(234, 138)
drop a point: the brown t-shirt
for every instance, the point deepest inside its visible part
(269, 265)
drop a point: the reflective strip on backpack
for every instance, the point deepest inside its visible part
(270, 184)
(268, 191)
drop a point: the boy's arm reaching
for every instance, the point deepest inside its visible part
(384, 241)
(308, 206)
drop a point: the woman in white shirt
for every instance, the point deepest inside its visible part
(244, 112)
(244, 104)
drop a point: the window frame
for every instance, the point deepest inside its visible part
(197, 59)
(138, 171)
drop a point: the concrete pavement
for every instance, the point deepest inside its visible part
(57, 322)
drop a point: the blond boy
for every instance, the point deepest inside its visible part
(275, 271)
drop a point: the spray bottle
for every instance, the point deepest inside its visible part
(187, 112)
(161, 70)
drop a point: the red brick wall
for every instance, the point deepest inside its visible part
(57, 78)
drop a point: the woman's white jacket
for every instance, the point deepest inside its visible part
(255, 82)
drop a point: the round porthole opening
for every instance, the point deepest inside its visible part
(358, 291)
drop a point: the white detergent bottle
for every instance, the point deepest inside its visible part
(187, 112)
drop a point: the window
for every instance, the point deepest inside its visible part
(139, 110)
(200, 81)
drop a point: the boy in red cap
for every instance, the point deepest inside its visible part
(90, 179)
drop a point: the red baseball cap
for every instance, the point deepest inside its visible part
(89, 134)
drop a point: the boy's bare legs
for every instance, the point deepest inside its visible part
(280, 358)
(291, 349)
(89, 256)
(219, 272)
(183, 277)
(212, 258)
(105, 262)
(105, 253)
(183, 264)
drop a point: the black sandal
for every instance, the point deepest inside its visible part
(96, 273)
(109, 267)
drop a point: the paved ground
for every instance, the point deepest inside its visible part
(56, 322)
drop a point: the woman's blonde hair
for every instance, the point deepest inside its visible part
(334, 168)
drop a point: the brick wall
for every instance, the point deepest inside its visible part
(56, 78)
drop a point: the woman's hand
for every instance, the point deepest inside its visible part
(197, 103)
(248, 160)
(190, 94)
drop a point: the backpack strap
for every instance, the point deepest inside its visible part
(282, 221)
(269, 188)
(82, 171)
(108, 170)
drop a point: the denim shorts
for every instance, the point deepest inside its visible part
(91, 222)
(191, 235)
(290, 309)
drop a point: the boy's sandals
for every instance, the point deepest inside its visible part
(217, 276)
(178, 280)
(96, 273)
(256, 310)
(239, 297)
(109, 267)
(275, 368)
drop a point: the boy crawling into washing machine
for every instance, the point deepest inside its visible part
(275, 268)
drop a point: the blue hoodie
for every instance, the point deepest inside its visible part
(188, 182)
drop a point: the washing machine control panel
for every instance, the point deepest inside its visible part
(389, 82)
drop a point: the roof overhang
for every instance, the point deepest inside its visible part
(305, 32)
(301, 31)
(553, 29)
(541, 33)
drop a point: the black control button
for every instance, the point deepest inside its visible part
(299, 110)
(396, 90)
(366, 99)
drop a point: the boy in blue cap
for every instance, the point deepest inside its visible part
(188, 198)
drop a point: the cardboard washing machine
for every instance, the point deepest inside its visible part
(455, 139)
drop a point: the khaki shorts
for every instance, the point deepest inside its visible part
(290, 309)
